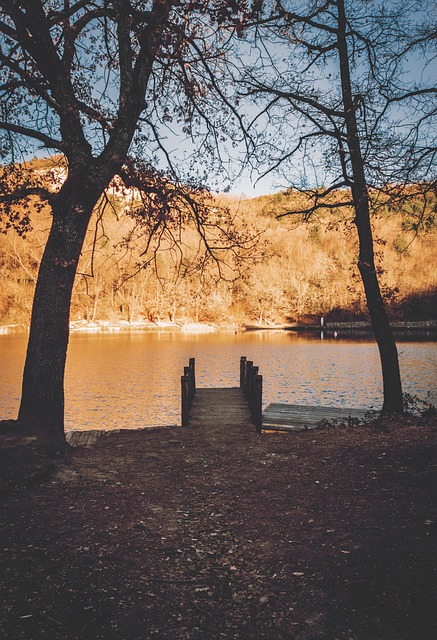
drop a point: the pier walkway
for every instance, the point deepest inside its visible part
(227, 406)
(217, 407)
(223, 406)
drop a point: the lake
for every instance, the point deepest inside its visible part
(128, 380)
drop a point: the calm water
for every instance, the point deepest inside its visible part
(133, 380)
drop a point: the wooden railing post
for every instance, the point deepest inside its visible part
(258, 403)
(188, 389)
(192, 365)
(252, 396)
(242, 372)
(249, 365)
(185, 399)
(252, 385)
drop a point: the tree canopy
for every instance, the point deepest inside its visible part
(98, 81)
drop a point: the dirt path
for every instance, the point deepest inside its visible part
(224, 533)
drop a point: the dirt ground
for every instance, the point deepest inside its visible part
(223, 533)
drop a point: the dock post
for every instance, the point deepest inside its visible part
(252, 387)
(258, 403)
(185, 399)
(242, 372)
(188, 389)
(187, 374)
(251, 382)
(192, 367)
(249, 365)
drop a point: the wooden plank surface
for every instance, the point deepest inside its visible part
(298, 417)
(89, 437)
(216, 407)
(228, 406)
(84, 438)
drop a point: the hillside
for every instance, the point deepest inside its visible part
(295, 271)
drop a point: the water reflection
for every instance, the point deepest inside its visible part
(133, 380)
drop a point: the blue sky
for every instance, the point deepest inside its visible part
(249, 184)
(247, 187)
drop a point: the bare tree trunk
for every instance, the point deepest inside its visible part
(393, 401)
(42, 403)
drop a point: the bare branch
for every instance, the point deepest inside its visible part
(48, 142)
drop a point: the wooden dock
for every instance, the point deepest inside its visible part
(228, 406)
(295, 417)
(215, 407)
(224, 407)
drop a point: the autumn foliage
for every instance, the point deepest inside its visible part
(281, 269)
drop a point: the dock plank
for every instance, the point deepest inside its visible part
(219, 406)
(289, 417)
(84, 438)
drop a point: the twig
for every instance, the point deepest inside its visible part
(174, 580)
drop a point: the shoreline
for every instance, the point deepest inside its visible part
(120, 326)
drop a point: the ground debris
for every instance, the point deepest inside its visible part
(135, 539)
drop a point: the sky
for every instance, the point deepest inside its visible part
(248, 185)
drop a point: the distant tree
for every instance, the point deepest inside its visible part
(328, 83)
(96, 80)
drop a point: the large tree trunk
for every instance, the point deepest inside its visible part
(393, 401)
(42, 403)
